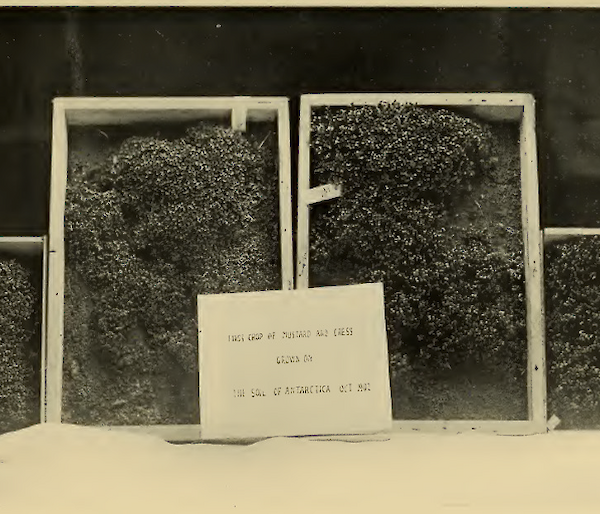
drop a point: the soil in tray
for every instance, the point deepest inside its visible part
(572, 290)
(20, 351)
(431, 206)
(151, 221)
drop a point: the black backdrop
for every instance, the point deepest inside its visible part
(552, 54)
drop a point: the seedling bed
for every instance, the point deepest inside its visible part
(572, 274)
(430, 194)
(159, 200)
(22, 342)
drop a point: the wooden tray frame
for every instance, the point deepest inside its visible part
(79, 111)
(561, 233)
(34, 246)
(552, 234)
(516, 106)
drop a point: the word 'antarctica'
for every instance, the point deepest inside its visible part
(292, 334)
(312, 389)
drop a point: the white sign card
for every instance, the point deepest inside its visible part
(286, 363)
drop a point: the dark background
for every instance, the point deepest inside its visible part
(553, 54)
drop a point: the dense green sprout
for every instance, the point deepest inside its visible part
(431, 207)
(573, 331)
(19, 389)
(157, 223)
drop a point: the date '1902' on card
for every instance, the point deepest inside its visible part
(288, 363)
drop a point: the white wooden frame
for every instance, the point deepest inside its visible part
(518, 107)
(34, 246)
(552, 234)
(560, 233)
(81, 111)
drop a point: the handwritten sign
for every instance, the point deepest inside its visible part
(305, 362)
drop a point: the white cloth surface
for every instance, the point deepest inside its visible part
(68, 469)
